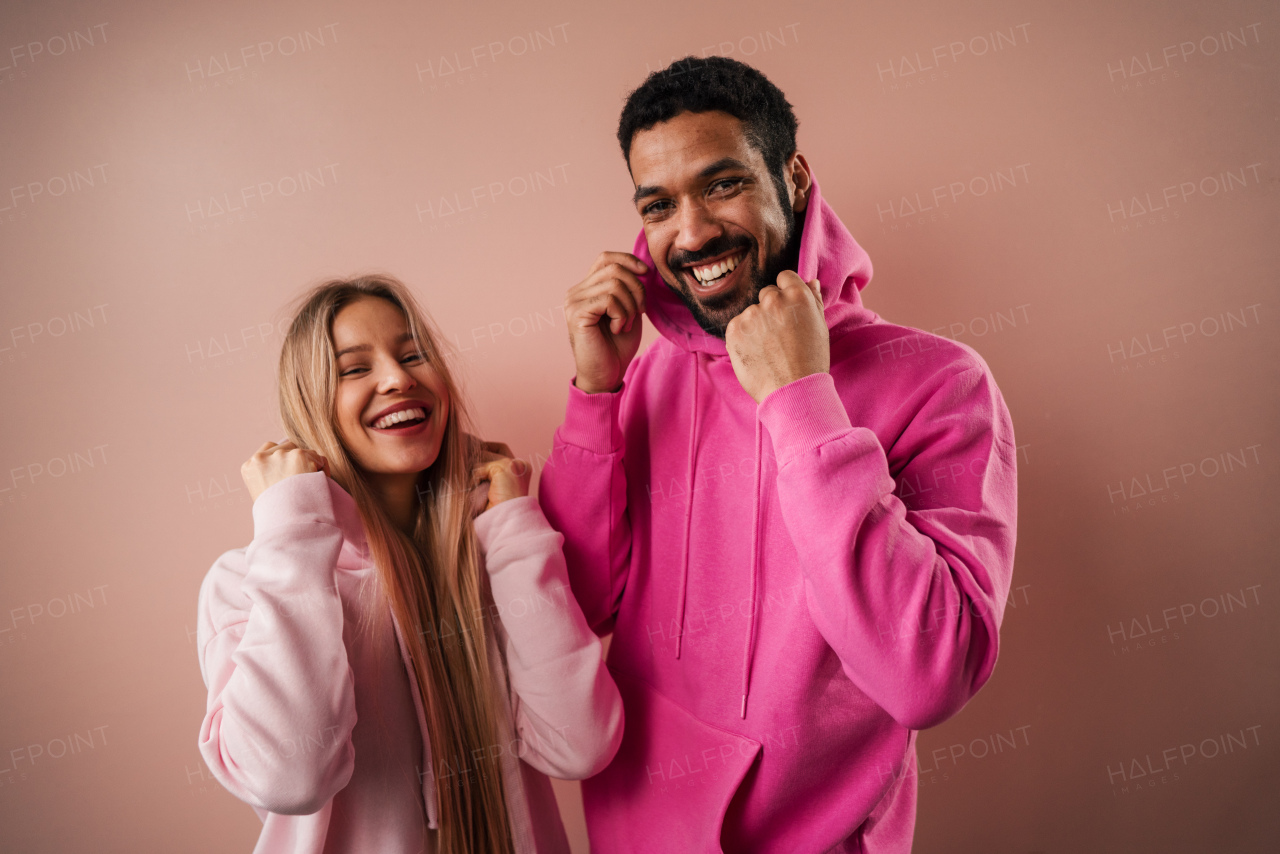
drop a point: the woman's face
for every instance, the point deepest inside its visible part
(392, 406)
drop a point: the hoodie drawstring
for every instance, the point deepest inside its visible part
(688, 511)
(749, 653)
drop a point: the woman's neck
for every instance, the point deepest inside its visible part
(399, 496)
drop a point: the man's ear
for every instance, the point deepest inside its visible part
(797, 172)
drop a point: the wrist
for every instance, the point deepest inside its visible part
(588, 387)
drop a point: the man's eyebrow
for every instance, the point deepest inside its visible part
(724, 163)
(360, 348)
(721, 165)
(644, 191)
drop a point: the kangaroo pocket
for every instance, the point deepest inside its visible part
(671, 782)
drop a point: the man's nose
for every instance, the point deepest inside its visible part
(697, 227)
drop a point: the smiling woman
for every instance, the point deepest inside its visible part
(432, 711)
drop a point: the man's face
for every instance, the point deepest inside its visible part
(716, 227)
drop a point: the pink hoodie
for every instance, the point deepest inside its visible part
(311, 719)
(793, 588)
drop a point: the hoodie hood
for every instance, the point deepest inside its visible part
(828, 252)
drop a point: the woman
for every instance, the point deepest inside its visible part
(395, 662)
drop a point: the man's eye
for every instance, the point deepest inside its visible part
(657, 207)
(726, 185)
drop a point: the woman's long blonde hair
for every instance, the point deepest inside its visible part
(432, 577)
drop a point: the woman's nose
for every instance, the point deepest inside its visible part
(394, 378)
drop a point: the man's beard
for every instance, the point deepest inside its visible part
(714, 314)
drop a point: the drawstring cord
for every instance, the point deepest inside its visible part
(749, 655)
(688, 512)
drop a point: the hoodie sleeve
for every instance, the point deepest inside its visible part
(567, 710)
(583, 492)
(910, 596)
(281, 707)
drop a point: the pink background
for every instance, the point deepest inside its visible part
(1085, 192)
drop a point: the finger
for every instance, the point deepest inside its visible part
(500, 448)
(816, 287)
(789, 279)
(621, 280)
(606, 298)
(611, 305)
(630, 272)
(626, 259)
(485, 471)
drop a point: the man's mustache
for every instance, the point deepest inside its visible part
(714, 247)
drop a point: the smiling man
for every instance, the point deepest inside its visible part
(796, 519)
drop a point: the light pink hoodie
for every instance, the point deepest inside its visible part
(311, 719)
(795, 588)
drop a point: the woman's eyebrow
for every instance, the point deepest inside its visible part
(357, 348)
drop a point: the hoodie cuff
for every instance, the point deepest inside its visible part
(510, 518)
(297, 498)
(591, 420)
(803, 415)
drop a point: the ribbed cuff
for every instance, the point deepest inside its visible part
(511, 517)
(591, 421)
(299, 497)
(803, 415)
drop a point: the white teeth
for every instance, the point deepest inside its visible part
(396, 417)
(715, 271)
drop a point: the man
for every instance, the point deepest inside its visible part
(796, 518)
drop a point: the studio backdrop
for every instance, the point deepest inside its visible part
(1084, 192)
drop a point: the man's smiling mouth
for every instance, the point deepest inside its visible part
(713, 274)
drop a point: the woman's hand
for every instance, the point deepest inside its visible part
(508, 477)
(273, 462)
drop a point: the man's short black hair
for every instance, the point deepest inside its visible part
(703, 84)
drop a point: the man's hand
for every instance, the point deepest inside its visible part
(603, 315)
(272, 463)
(781, 339)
